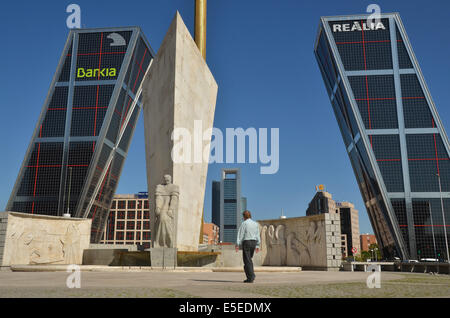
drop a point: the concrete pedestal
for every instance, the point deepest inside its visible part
(163, 257)
(179, 92)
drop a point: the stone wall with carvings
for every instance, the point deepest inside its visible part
(40, 239)
(3, 222)
(310, 242)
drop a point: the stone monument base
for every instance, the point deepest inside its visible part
(32, 239)
(165, 257)
(310, 242)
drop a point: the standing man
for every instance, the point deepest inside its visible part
(249, 239)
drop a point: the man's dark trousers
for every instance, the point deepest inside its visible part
(248, 249)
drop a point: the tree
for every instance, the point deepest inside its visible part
(375, 251)
(365, 256)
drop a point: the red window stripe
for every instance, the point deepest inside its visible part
(360, 42)
(134, 86)
(101, 53)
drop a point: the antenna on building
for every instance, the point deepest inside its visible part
(282, 216)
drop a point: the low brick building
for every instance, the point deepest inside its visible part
(367, 240)
(210, 234)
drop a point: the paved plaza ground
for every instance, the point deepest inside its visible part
(222, 284)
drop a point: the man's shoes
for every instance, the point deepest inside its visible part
(248, 281)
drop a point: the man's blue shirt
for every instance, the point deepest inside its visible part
(249, 230)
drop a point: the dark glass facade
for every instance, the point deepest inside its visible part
(227, 204)
(395, 140)
(215, 203)
(320, 204)
(82, 136)
(230, 209)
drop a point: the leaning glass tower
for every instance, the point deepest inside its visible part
(80, 142)
(392, 132)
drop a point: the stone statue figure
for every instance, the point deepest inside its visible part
(166, 208)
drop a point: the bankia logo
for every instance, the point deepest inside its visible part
(97, 72)
(357, 26)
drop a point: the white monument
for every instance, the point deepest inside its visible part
(311, 242)
(179, 92)
(33, 239)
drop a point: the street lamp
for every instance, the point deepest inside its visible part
(443, 216)
(67, 214)
(376, 256)
(432, 230)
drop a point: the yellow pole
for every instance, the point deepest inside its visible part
(200, 40)
(200, 26)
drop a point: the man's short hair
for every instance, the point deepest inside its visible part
(247, 214)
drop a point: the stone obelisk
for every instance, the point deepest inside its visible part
(179, 92)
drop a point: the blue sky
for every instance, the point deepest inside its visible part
(261, 54)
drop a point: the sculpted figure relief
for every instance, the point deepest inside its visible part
(292, 249)
(297, 251)
(276, 245)
(269, 238)
(314, 240)
(265, 245)
(285, 247)
(166, 208)
(34, 246)
(281, 243)
(71, 245)
(38, 240)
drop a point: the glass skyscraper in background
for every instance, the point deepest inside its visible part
(215, 204)
(392, 132)
(80, 142)
(228, 204)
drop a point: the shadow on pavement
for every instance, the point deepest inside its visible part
(216, 281)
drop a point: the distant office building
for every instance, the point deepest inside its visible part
(350, 226)
(210, 234)
(228, 204)
(323, 203)
(392, 132)
(76, 154)
(128, 221)
(344, 249)
(366, 241)
(215, 203)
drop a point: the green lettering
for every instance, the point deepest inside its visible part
(80, 72)
(104, 72)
